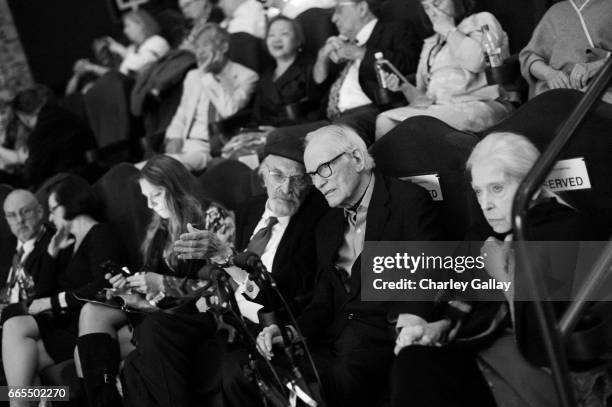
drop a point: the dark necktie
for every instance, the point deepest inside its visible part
(333, 111)
(17, 259)
(260, 240)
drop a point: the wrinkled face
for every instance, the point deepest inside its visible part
(156, 198)
(286, 184)
(57, 214)
(495, 193)
(24, 215)
(445, 6)
(194, 9)
(281, 39)
(323, 158)
(208, 50)
(133, 31)
(347, 17)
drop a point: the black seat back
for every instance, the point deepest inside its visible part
(7, 240)
(423, 145)
(317, 26)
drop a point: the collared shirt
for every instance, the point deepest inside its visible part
(351, 94)
(20, 273)
(354, 234)
(139, 58)
(248, 308)
(249, 17)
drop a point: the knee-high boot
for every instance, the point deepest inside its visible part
(99, 355)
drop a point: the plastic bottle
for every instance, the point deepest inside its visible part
(383, 92)
(491, 48)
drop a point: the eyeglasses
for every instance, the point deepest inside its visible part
(279, 178)
(23, 213)
(325, 170)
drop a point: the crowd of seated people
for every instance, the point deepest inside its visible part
(153, 335)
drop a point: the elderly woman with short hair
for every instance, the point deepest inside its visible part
(504, 337)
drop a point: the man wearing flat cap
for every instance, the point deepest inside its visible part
(279, 226)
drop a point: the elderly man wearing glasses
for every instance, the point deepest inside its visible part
(23, 280)
(352, 340)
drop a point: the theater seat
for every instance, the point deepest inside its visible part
(317, 27)
(125, 209)
(7, 240)
(423, 145)
(248, 50)
(229, 183)
(540, 119)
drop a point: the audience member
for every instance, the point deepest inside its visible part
(146, 46)
(352, 340)
(46, 332)
(246, 16)
(293, 8)
(285, 89)
(278, 226)
(568, 47)
(31, 273)
(57, 141)
(451, 84)
(198, 12)
(511, 352)
(354, 94)
(159, 371)
(217, 89)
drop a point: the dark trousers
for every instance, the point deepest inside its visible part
(176, 362)
(438, 377)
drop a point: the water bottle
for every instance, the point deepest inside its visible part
(491, 48)
(383, 93)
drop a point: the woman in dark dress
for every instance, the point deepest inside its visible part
(33, 342)
(289, 81)
(161, 369)
(504, 337)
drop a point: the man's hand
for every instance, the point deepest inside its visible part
(268, 337)
(147, 282)
(419, 332)
(39, 305)
(350, 52)
(200, 244)
(60, 240)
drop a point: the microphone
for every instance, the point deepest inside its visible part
(252, 263)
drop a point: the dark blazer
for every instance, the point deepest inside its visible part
(397, 211)
(40, 266)
(294, 85)
(399, 44)
(294, 266)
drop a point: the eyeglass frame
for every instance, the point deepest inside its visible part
(295, 180)
(328, 165)
(27, 212)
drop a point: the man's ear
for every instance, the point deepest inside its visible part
(359, 159)
(363, 8)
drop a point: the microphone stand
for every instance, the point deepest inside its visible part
(298, 384)
(268, 393)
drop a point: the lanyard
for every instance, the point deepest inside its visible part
(584, 26)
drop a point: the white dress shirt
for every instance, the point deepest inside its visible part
(248, 308)
(351, 95)
(27, 246)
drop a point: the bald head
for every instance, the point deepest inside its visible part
(23, 213)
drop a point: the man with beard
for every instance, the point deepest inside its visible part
(278, 226)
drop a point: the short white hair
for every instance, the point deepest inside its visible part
(345, 138)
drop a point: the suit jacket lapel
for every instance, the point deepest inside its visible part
(253, 217)
(332, 229)
(377, 216)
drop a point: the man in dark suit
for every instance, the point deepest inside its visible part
(278, 226)
(355, 97)
(353, 340)
(23, 280)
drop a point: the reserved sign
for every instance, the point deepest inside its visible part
(431, 182)
(568, 175)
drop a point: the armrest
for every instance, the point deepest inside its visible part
(506, 74)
